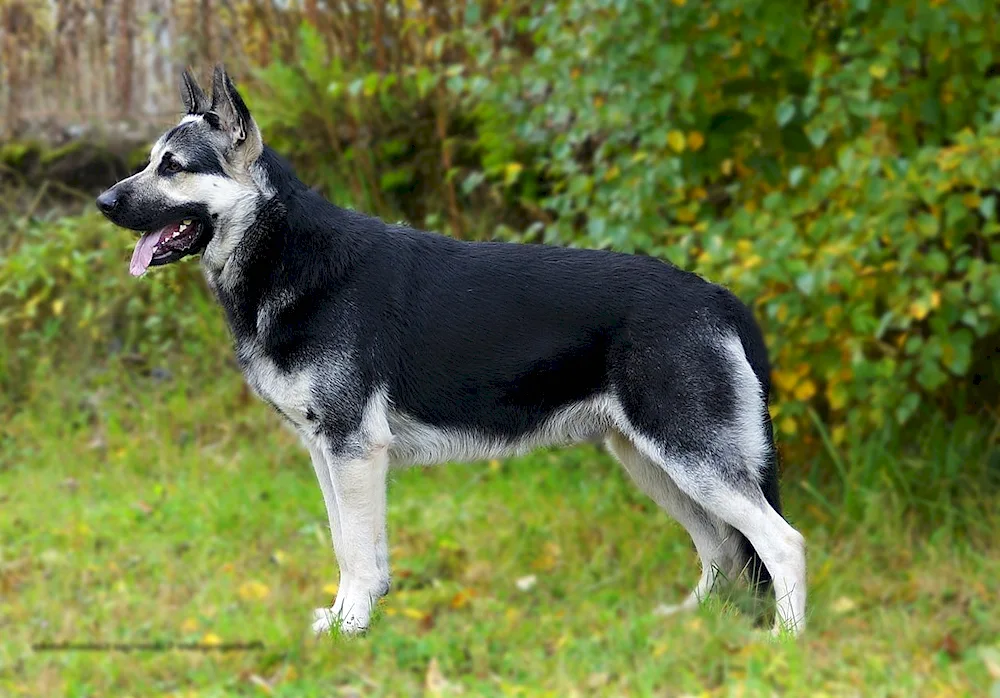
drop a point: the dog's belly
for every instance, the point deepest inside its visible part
(417, 443)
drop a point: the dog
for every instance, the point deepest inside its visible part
(383, 346)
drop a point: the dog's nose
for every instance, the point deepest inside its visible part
(107, 201)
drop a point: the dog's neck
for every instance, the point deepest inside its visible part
(297, 245)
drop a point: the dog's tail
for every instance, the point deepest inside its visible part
(756, 352)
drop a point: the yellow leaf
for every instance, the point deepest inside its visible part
(918, 310)
(57, 306)
(782, 313)
(575, 73)
(789, 426)
(805, 390)
(511, 172)
(695, 140)
(189, 625)
(612, 173)
(598, 101)
(838, 434)
(253, 591)
(679, 3)
(877, 71)
(970, 201)
(414, 613)
(211, 639)
(727, 167)
(836, 395)
(330, 589)
(462, 598)
(675, 139)
(935, 299)
(699, 194)
(685, 215)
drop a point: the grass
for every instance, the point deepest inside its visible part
(173, 511)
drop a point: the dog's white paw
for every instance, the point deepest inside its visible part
(324, 620)
(349, 623)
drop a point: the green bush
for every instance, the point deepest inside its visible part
(830, 162)
(66, 298)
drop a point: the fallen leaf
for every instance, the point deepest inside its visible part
(434, 680)
(991, 658)
(253, 590)
(843, 605)
(189, 625)
(331, 589)
(462, 598)
(598, 679)
(950, 646)
(211, 639)
(526, 583)
(261, 684)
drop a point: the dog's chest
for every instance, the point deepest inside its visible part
(292, 393)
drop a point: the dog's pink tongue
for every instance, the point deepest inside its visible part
(143, 253)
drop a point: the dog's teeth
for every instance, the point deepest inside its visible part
(183, 226)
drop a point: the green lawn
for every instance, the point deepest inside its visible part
(135, 511)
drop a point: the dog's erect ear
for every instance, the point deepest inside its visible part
(195, 99)
(234, 117)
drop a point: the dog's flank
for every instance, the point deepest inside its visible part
(383, 345)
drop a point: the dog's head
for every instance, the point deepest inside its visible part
(203, 183)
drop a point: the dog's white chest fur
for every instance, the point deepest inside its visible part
(291, 393)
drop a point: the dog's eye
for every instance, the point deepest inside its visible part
(171, 165)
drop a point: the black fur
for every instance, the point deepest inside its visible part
(552, 325)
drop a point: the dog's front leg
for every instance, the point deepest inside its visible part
(359, 485)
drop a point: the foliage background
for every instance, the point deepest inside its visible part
(834, 162)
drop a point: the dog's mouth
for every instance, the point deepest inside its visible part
(168, 244)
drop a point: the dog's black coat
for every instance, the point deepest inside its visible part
(552, 325)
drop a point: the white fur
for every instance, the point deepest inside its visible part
(292, 393)
(417, 443)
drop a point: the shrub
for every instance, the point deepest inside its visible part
(830, 162)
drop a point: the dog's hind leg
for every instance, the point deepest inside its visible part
(717, 543)
(715, 445)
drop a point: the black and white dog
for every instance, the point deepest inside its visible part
(383, 345)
